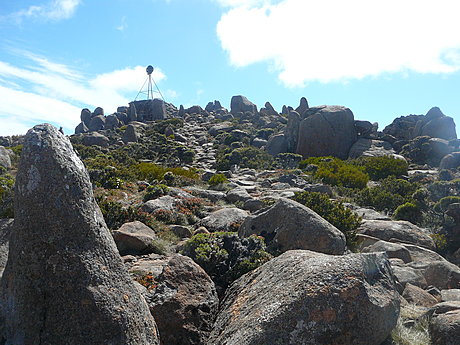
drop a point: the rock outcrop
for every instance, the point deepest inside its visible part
(327, 131)
(64, 282)
(290, 225)
(322, 299)
(5, 230)
(182, 294)
(242, 104)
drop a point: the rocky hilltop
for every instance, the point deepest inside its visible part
(166, 225)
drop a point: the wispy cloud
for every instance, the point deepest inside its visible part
(123, 25)
(45, 91)
(54, 10)
(336, 40)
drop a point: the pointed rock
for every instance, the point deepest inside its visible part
(64, 282)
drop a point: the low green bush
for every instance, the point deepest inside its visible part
(443, 204)
(155, 191)
(154, 172)
(379, 168)
(6, 196)
(225, 256)
(245, 157)
(388, 195)
(334, 212)
(217, 179)
(335, 172)
(408, 211)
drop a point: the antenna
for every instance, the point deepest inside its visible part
(149, 91)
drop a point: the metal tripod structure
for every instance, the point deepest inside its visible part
(150, 83)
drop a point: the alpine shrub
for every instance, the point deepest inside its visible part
(334, 212)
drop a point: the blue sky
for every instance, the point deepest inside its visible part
(381, 59)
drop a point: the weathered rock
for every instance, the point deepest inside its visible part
(6, 226)
(134, 238)
(242, 104)
(366, 129)
(328, 131)
(405, 275)
(292, 131)
(86, 116)
(401, 230)
(303, 106)
(290, 225)
(445, 323)
(98, 112)
(371, 148)
(277, 144)
(450, 295)
(132, 113)
(122, 117)
(64, 280)
(225, 219)
(112, 122)
(393, 250)
(436, 125)
(324, 300)
(166, 203)
(181, 231)
(402, 128)
(221, 127)
(443, 275)
(97, 123)
(130, 135)
(95, 138)
(269, 110)
(415, 295)
(123, 109)
(238, 195)
(185, 298)
(81, 128)
(5, 159)
(450, 161)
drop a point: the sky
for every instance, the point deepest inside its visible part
(382, 59)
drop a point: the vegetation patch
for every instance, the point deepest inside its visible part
(334, 212)
(225, 256)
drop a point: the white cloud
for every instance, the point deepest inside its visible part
(53, 10)
(332, 40)
(123, 25)
(50, 92)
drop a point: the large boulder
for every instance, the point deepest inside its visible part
(290, 225)
(401, 230)
(64, 282)
(5, 159)
(97, 123)
(242, 104)
(86, 116)
(183, 294)
(436, 125)
(134, 238)
(225, 219)
(292, 131)
(450, 161)
(323, 299)
(112, 122)
(327, 131)
(277, 144)
(96, 139)
(5, 230)
(81, 128)
(444, 324)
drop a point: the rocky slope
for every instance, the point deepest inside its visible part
(230, 228)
